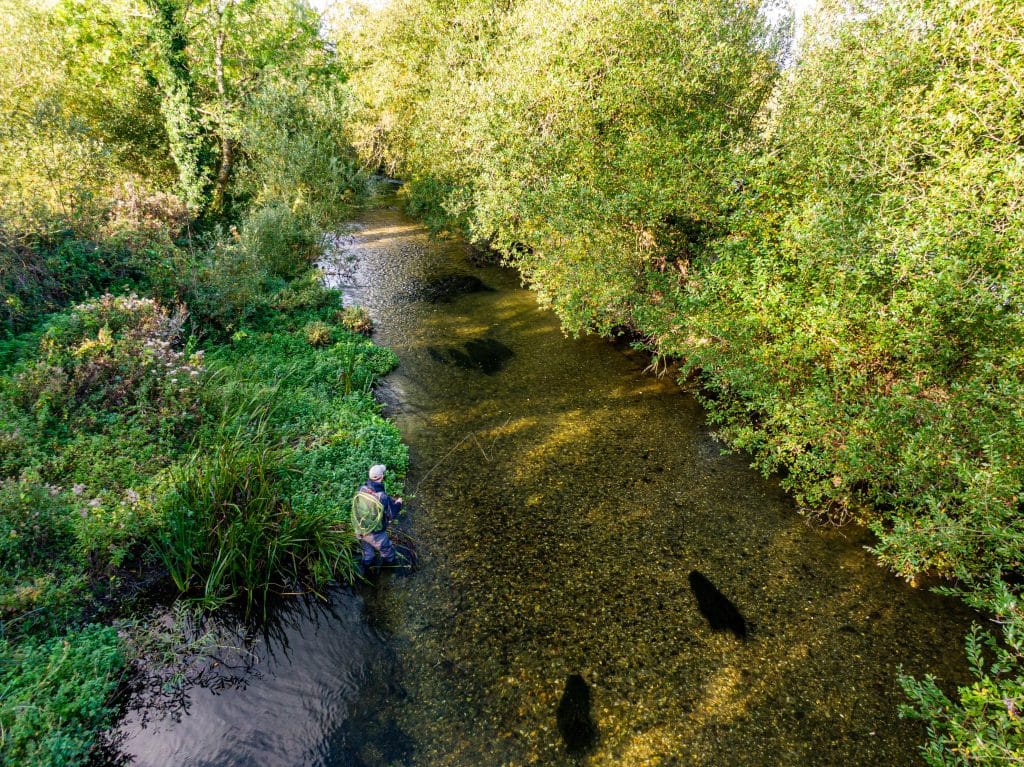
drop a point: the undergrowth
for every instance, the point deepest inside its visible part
(135, 446)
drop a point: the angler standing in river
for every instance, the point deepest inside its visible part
(372, 511)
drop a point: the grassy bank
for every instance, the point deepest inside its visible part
(136, 453)
(184, 409)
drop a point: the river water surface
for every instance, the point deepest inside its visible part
(559, 499)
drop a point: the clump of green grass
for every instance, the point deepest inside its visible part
(230, 533)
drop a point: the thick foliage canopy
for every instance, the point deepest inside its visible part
(830, 249)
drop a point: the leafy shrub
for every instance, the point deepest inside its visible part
(283, 243)
(356, 319)
(306, 292)
(139, 218)
(54, 696)
(299, 154)
(113, 354)
(36, 529)
(21, 445)
(858, 325)
(984, 726)
(111, 526)
(40, 586)
(222, 286)
(318, 333)
(43, 273)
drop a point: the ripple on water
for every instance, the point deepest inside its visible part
(292, 687)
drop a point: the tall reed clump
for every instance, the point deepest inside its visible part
(230, 532)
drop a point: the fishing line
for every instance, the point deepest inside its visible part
(469, 435)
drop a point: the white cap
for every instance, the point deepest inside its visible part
(377, 472)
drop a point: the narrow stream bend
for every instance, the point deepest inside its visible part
(562, 502)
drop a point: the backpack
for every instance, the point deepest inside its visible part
(367, 512)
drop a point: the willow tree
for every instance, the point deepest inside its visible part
(80, 112)
(572, 136)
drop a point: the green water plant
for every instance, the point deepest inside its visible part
(355, 318)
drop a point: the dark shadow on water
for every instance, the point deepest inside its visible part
(484, 354)
(220, 654)
(574, 718)
(442, 290)
(720, 613)
(372, 740)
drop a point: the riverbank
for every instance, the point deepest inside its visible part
(146, 452)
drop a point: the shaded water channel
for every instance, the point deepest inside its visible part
(560, 499)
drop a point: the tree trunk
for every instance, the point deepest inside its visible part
(226, 145)
(184, 133)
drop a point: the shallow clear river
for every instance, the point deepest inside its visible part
(559, 499)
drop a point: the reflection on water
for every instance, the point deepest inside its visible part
(560, 503)
(276, 696)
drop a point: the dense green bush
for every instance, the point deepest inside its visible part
(299, 156)
(282, 242)
(115, 353)
(306, 292)
(573, 137)
(983, 725)
(858, 325)
(39, 583)
(222, 285)
(40, 274)
(830, 249)
(54, 694)
(35, 527)
(355, 318)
